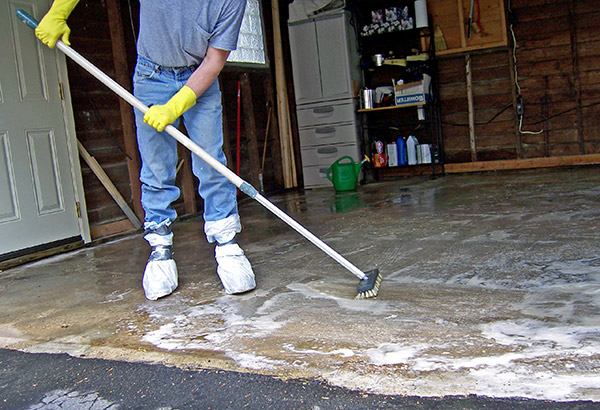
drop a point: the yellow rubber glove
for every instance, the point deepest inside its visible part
(159, 116)
(54, 23)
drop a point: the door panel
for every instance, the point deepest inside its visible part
(8, 199)
(334, 63)
(44, 167)
(37, 204)
(305, 62)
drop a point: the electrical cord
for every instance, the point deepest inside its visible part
(561, 113)
(519, 98)
(131, 23)
(480, 123)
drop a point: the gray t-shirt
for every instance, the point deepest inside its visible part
(176, 33)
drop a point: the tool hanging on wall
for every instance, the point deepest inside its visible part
(238, 122)
(439, 39)
(264, 154)
(470, 24)
(370, 281)
(474, 25)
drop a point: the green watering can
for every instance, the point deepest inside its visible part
(343, 173)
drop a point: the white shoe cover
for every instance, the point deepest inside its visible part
(160, 278)
(234, 269)
(223, 230)
(160, 275)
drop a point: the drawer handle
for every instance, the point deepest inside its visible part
(325, 132)
(323, 111)
(327, 150)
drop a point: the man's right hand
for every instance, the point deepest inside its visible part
(54, 23)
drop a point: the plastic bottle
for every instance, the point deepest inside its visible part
(411, 149)
(401, 148)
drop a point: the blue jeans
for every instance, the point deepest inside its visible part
(153, 85)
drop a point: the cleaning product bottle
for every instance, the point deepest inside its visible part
(411, 149)
(401, 148)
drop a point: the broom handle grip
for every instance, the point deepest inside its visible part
(27, 19)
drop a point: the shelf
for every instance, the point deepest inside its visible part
(413, 32)
(392, 107)
(408, 171)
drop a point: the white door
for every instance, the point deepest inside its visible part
(37, 190)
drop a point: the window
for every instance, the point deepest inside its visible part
(251, 45)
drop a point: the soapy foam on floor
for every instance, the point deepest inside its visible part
(522, 354)
(222, 324)
(336, 352)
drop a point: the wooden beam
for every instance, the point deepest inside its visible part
(37, 255)
(283, 109)
(127, 117)
(530, 163)
(226, 144)
(107, 183)
(470, 106)
(113, 228)
(275, 145)
(187, 181)
(575, 63)
(250, 129)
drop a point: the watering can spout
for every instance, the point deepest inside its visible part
(359, 165)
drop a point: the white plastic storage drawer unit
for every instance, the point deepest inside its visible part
(326, 74)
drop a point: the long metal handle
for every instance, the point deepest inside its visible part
(193, 147)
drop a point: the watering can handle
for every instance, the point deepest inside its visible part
(344, 157)
(330, 169)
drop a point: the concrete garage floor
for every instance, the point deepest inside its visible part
(491, 287)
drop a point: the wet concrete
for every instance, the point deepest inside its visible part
(491, 287)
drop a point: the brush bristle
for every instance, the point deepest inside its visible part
(368, 287)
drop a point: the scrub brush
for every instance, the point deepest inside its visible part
(368, 287)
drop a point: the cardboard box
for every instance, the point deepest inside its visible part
(411, 93)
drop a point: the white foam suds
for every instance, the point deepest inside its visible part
(392, 354)
(372, 307)
(116, 297)
(214, 326)
(337, 352)
(252, 361)
(539, 361)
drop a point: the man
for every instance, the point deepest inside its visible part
(182, 47)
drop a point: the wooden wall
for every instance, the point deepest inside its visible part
(558, 66)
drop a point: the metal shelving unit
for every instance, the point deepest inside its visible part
(387, 123)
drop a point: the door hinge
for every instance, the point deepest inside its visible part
(61, 91)
(78, 209)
